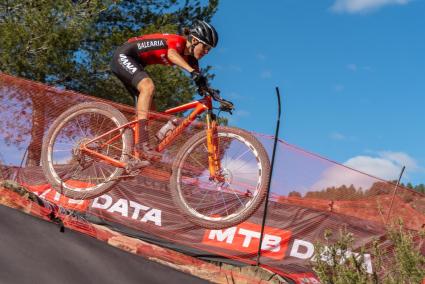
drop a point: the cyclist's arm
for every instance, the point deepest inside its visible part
(177, 59)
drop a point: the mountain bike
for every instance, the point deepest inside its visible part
(219, 176)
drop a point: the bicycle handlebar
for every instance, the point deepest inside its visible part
(225, 105)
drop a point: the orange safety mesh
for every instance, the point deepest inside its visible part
(309, 194)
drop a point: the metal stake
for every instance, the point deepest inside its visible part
(276, 138)
(394, 193)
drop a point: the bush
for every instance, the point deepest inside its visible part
(336, 262)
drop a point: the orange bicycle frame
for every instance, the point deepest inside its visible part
(198, 107)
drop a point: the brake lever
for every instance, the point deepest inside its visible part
(216, 95)
(224, 104)
(227, 106)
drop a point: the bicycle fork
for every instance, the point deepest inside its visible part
(214, 164)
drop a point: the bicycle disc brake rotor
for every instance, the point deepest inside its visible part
(225, 179)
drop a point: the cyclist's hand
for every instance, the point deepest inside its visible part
(199, 79)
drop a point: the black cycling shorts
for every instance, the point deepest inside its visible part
(128, 68)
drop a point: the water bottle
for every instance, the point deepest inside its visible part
(166, 129)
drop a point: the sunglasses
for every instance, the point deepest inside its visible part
(206, 46)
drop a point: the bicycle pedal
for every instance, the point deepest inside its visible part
(147, 152)
(135, 165)
(131, 174)
(152, 157)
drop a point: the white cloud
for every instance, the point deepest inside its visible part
(386, 165)
(400, 158)
(338, 175)
(337, 136)
(376, 166)
(360, 6)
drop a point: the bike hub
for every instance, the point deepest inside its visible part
(77, 151)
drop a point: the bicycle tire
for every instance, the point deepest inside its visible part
(245, 139)
(91, 109)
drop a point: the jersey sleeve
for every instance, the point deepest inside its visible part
(178, 43)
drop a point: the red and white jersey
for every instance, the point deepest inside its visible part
(153, 48)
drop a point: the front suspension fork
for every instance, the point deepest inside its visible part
(214, 164)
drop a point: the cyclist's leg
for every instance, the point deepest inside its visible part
(128, 69)
(137, 81)
(146, 89)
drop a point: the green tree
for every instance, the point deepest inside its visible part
(294, 194)
(126, 19)
(420, 188)
(38, 40)
(70, 44)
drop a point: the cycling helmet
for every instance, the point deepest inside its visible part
(205, 33)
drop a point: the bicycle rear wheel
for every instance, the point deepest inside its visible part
(216, 205)
(70, 170)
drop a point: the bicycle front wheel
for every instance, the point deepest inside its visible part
(211, 204)
(70, 170)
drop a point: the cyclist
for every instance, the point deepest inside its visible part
(130, 59)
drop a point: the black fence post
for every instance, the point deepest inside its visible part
(394, 193)
(276, 138)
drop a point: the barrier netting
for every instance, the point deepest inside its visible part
(309, 194)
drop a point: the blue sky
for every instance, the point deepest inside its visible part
(351, 73)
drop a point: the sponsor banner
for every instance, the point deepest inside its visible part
(144, 204)
(128, 209)
(246, 238)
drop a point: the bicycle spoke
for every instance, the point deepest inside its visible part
(95, 170)
(205, 147)
(242, 165)
(114, 147)
(241, 170)
(81, 130)
(100, 127)
(205, 194)
(211, 212)
(70, 164)
(103, 174)
(199, 163)
(233, 158)
(237, 196)
(224, 202)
